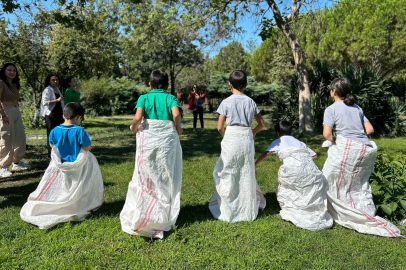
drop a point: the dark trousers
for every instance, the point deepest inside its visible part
(52, 120)
(200, 112)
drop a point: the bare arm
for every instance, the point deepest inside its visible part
(56, 100)
(2, 112)
(220, 125)
(262, 157)
(177, 118)
(328, 134)
(137, 119)
(368, 128)
(260, 126)
(87, 148)
(314, 157)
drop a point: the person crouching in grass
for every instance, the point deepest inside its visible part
(153, 199)
(301, 185)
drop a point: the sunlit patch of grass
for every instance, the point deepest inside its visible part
(198, 241)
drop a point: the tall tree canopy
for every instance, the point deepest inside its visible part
(156, 36)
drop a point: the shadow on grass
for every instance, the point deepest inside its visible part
(16, 196)
(116, 154)
(109, 209)
(272, 205)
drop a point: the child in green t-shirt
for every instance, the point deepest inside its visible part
(153, 200)
(72, 90)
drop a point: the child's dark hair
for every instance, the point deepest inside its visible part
(159, 79)
(284, 128)
(342, 86)
(3, 77)
(73, 109)
(66, 83)
(238, 79)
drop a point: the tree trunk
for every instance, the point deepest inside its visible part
(305, 108)
(305, 112)
(172, 75)
(35, 119)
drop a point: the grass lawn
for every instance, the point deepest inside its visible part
(198, 241)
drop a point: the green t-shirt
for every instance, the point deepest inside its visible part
(157, 105)
(71, 96)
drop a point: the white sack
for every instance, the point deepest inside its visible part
(153, 198)
(237, 195)
(347, 170)
(302, 191)
(68, 191)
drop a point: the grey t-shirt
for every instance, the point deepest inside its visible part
(347, 121)
(239, 110)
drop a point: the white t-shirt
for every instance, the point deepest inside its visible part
(285, 142)
(239, 110)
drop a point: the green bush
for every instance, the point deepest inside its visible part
(109, 96)
(373, 94)
(388, 182)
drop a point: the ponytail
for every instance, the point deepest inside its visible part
(342, 87)
(349, 100)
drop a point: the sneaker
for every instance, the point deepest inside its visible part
(202, 130)
(4, 172)
(20, 166)
(194, 130)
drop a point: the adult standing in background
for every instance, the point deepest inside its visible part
(12, 134)
(199, 103)
(52, 105)
(192, 98)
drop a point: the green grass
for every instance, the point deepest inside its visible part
(198, 241)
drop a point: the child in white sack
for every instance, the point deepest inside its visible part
(237, 196)
(72, 185)
(301, 185)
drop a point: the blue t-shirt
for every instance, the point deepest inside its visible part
(69, 139)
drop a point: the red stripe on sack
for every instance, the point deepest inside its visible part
(343, 165)
(341, 169)
(261, 195)
(392, 233)
(156, 233)
(140, 196)
(356, 172)
(150, 211)
(213, 202)
(48, 185)
(140, 158)
(146, 214)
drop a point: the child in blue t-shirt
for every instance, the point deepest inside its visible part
(69, 137)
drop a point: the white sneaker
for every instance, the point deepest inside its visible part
(20, 166)
(4, 172)
(202, 130)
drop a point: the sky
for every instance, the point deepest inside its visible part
(249, 25)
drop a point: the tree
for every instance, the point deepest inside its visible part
(272, 62)
(155, 40)
(91, 50)
(221, 16)
(26, 47)
(231, 57)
